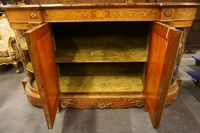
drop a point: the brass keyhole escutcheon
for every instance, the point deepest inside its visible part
(168, 13)
(33, 15)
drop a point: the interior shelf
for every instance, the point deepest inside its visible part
(100, 77)
(101, 55)
(100, 84)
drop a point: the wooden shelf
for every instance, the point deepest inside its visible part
(100, 84)
(101, 55)
(92, 84)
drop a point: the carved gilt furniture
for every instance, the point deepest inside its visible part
(9, 53)
(103, 55)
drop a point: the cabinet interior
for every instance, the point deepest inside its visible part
(101, 56)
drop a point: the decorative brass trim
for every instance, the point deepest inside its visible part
(168, 13)
(65, 104)
(138, 103)
(101, 105)
(33, 15)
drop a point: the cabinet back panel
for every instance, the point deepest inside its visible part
(101, 69)
(100, 35)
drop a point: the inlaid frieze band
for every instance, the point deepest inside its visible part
(187, 12)
(109, 14)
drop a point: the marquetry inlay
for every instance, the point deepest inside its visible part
(187, 12)
(100, 14)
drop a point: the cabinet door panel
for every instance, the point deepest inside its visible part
(161, 59)
(41, 51)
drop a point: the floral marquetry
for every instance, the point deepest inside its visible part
(100, 14)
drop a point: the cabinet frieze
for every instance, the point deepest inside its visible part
(63, 15)
(164, 13)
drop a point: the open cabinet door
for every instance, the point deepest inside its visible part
(41, 52)
(163, 49)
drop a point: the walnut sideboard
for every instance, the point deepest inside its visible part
(103, 55)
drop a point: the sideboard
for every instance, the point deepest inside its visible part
(102, 55)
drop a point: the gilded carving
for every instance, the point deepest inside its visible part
(65, 104)
(137, 103)
(101, 105)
